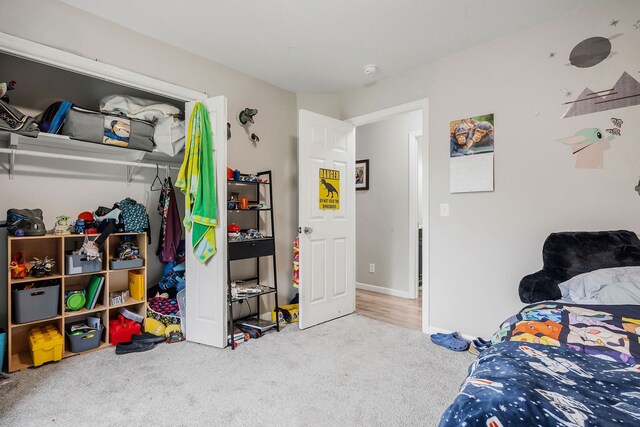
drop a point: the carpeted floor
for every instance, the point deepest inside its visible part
(351, 371)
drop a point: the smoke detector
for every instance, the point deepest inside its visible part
(370, 69)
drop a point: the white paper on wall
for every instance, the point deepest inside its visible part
(468, 174)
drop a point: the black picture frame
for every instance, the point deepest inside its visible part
(362, 174)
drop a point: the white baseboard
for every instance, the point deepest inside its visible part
(436, 330)
(382, 290)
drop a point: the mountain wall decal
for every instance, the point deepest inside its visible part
(625, 93)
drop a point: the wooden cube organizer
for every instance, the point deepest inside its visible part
(55, 246)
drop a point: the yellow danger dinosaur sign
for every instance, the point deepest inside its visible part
(329, 193)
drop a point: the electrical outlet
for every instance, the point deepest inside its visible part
(444, 209)
(372, 268)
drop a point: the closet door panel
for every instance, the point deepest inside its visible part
(207, 283)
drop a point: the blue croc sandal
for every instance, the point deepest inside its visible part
(451, 341)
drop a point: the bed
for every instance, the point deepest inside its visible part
(572, 356)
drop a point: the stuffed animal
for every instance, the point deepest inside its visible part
(42, 267)
(18, 267)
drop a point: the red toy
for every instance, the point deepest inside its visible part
(18, 267)
(121, 329)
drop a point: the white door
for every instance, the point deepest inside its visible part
(326, 151)
(207, 284)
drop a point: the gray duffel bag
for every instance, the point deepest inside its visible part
(92, 126)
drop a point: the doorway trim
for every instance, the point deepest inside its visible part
(422, 104)
(414, 221)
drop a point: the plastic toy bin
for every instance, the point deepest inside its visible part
(35, 304)
(78, 264)
(291, 308)
(120, 264)
(83, 341)
(46, 344)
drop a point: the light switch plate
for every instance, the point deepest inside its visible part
(444, 209)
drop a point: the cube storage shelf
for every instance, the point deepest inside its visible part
(55, 247)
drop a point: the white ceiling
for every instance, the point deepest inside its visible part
(321, 45)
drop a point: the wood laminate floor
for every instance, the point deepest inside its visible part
(386, 308)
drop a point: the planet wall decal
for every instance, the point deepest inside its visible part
(590, 52)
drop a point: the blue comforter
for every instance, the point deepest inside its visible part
(524, 384)
(556, 364)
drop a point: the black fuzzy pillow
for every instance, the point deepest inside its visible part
(568, 254)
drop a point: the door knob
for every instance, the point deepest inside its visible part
(308, 230)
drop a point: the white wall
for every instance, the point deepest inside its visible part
(491, 240)
(382, 212)
(60, 187)
(325, 104)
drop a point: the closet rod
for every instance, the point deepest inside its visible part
(13, 152)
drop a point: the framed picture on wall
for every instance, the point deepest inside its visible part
(362, 174)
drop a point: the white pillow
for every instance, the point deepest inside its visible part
(620, 293)
(585, 288)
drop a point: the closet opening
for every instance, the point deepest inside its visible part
(72, 186)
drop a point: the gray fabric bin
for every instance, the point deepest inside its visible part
(35, 304)
(93, 126)
(85, 341)
(118, 264)
(78, 264)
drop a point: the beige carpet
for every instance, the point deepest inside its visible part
(351, 371)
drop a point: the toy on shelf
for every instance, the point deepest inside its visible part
(6, 87)
(75, 300)
(127, 249)
(18, 267)
(25, 222)
(127, 254)
(62, 225)
(78, 226)
(90, 224)
(42, 267)
(117, 298)
(89, 249)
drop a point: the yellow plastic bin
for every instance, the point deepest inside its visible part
(293, 311)
(136, 285)
(46, 344)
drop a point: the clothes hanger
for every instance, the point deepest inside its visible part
(156, 179)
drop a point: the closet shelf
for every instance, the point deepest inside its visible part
(51, 146)
(33, 322)
(98, 307)
(36, 279)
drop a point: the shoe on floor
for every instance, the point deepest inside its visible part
(451, 341)
(478, 346)
(148, 337)
(133, 347)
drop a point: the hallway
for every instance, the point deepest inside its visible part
(386, 308)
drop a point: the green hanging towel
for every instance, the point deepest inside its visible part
(197, 180)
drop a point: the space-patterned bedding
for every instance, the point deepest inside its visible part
(556, 364)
